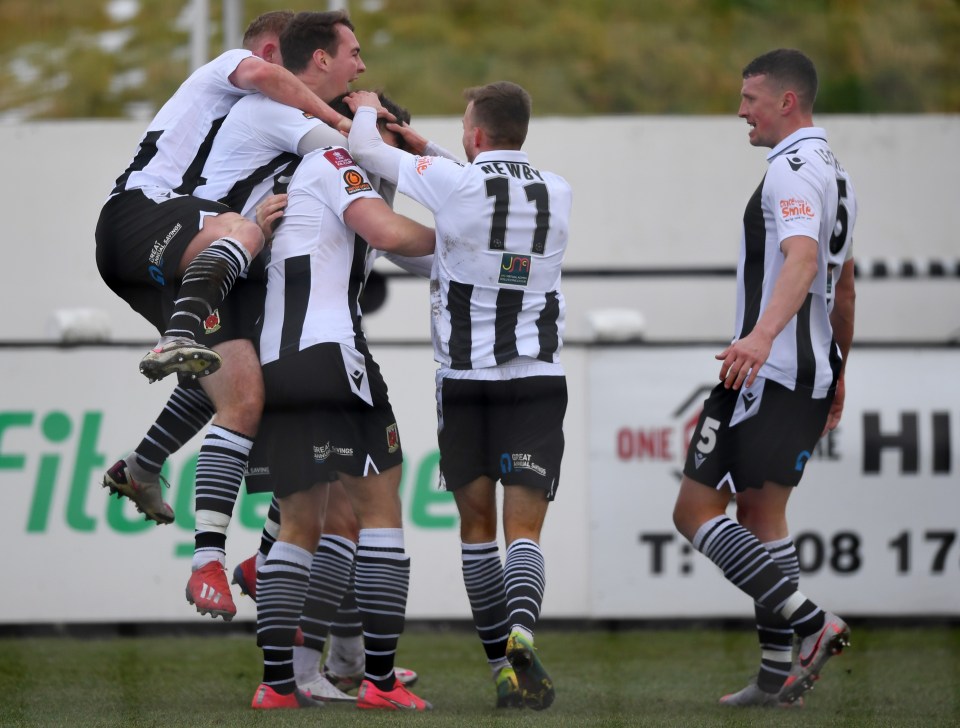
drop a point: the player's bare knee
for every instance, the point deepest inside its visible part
(237, 227)
(249, 235)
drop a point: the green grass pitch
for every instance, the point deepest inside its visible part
(630, 677)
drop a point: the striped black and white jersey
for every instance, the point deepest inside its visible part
(502, 228)
(172, 151)
(256, 151)
(804, 192)
(317, 264)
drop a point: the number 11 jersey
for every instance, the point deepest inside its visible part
(502, 230)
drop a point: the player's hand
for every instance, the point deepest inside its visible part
(269, 213)
(368, 98)
(836, 409)
(742, 360)
(343, 125)
(414, 142)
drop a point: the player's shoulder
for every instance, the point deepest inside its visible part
(226, 62)
(556, 179)
(808, 162)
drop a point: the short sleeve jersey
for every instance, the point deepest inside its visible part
(317, 264)
(255, 152)
(805, 192)
(175, 146)
(502, 228)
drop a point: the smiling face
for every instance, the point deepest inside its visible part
(762, 105)
(345, 66)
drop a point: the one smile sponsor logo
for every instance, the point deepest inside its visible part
(796, 208)
(422, 164)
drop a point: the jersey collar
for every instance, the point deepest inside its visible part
(800, 135)
(502, 155)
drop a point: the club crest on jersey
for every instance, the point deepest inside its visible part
(211, 324)
(339, 157)
(355, 182)
(514, 269)
(796, 208)
(393, 438)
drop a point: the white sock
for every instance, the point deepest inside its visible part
(306, 664)
(345, 656)
(497, 665)
(522, 630)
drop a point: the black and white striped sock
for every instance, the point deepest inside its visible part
(281, 588)
(483, 579)
(382, 580)
(747, 565)
(271, 528)
(206, 282)
(773, 631)
(524, 577)
(220, 468)
(329, 578)
(186, 412)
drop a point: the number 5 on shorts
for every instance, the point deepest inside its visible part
(708, 435)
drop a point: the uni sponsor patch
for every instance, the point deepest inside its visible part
(796, 208)
(514, 269)
(355, 182)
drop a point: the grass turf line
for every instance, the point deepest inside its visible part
(889, 677)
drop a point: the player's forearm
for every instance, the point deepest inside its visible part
(368, 148)
(421, 266)
(277, 83)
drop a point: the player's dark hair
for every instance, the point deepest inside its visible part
(273, 22)
(502, 110)
(791, 69)
(307, 32)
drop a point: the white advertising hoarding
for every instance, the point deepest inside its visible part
(76, 555)
(876, 517)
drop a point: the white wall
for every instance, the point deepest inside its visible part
(649, 191)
